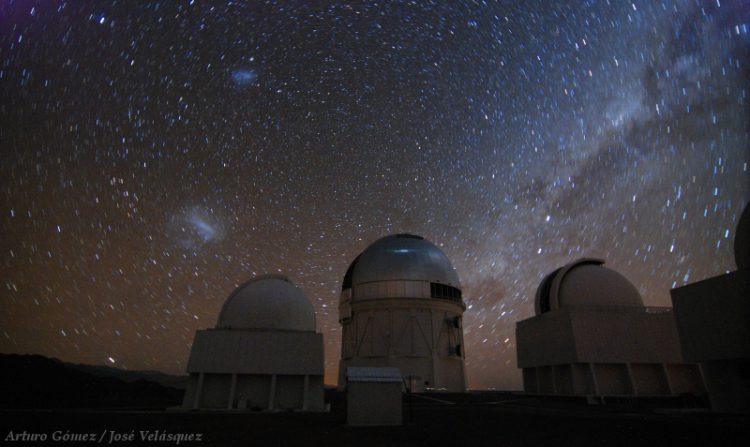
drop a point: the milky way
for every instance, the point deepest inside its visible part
(156, 155)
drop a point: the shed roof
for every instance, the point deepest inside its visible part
(373, 374)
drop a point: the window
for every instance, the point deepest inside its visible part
(444, 292)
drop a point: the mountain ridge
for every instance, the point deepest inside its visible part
(36, 381)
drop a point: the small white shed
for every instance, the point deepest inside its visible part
(374, 396)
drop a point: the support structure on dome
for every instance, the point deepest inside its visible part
(401, 306)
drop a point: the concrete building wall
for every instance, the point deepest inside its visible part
(563, 376)
(546, 380)
(315, 394)
(594, 334)
(257, 352)
(728, 384)
(612, 379)
(586, 334)
(449, 373)
(713, 319)
(253, 369)
(545, 340)
(649, 379)
(604, 350)
(289, 392)
(530, 383)
(215, 392)
(605, 334)
(654, 379)
(583, 379)
(253, 391)
(188, 398)
(684, 378)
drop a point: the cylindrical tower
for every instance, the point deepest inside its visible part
(401, 306)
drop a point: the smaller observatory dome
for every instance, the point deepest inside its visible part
(742, 240)
(402, 257)
(585, 281)
(267, 302)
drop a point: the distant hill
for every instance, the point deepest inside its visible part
(168, 380)
(34, 381)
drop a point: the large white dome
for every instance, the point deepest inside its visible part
(402, 257)
(270, 302)
(585, 282)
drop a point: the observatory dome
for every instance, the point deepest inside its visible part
(267, 302)
(401, 257)
(587, 282)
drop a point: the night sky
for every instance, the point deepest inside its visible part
(157, 154)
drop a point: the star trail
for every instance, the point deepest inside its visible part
(157, 154)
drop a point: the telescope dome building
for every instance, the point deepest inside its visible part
(593, 336)
(263, 354)
(401, 306)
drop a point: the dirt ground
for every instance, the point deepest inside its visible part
(481, 419)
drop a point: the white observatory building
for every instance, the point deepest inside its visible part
(401, 307)
(592, 336)
(263, 354)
